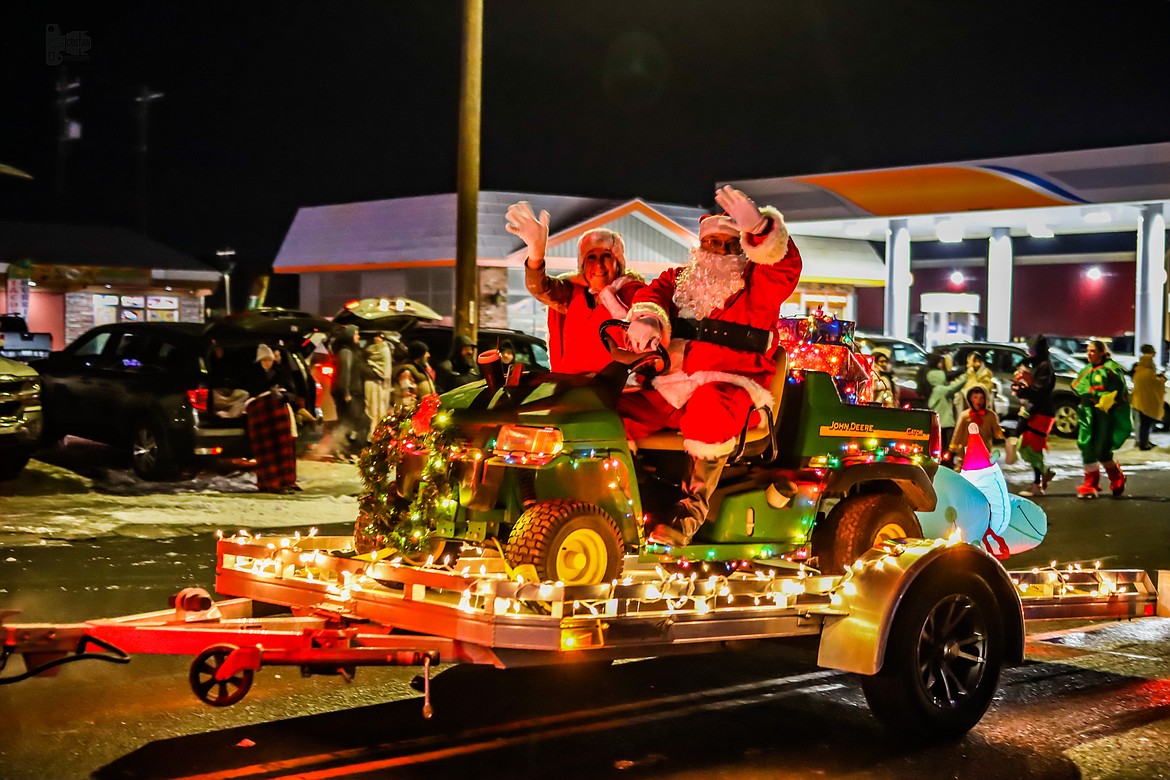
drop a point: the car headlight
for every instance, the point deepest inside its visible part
(529, 444)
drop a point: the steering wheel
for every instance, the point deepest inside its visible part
(649, 364)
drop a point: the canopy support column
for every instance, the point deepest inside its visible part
(1150, 301)
(999, 285)
(898, 279)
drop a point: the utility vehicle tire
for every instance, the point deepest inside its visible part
(151, 453)
(856, 524)
(942, 660)
(568, 541)
(1065, 422)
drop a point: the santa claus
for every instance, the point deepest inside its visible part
(728, 298)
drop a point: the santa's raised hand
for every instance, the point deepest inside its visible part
(522, 222)
(742, 209)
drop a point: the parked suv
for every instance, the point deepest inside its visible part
(149, 387)
(1003, 359)
(20, 416)
(409, 320)
(907, 357)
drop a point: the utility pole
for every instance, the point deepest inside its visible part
(142, 114)
(68, 131)
(467, 209)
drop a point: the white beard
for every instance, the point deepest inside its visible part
(708, 281)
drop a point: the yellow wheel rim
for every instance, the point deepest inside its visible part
(433, 549)
(889, 531)
(582, 558)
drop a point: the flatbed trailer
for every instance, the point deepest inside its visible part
(338, 612)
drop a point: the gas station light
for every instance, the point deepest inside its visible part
(949, 231)
(957, 277)
(1094, 273)
(1039, 230)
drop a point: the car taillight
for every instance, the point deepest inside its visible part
(198, 398)
(935, 444)
(326, 370)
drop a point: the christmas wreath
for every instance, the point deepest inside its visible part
(386, 520)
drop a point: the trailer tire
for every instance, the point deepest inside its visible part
(218, 693)
(856, 524)
(942, 661)
(567, 541)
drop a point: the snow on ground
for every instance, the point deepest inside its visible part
(54, 504)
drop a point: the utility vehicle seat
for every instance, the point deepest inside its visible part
(756, 439)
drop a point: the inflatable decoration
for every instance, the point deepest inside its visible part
(976, 502)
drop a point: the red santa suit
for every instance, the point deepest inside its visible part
(575, 316)
(711, 394)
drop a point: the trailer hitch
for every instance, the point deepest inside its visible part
(112, 655)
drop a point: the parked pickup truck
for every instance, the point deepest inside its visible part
(17, 343)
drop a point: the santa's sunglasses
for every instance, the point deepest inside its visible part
(722, 245)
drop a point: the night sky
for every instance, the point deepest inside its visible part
(272, 106)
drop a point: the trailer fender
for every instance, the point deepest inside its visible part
(867, 598)
(912, 481)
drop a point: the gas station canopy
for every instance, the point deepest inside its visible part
(1091, 191)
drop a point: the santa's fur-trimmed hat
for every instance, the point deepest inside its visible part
(612, 238)
(717, 224)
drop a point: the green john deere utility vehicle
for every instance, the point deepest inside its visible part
(539, 465)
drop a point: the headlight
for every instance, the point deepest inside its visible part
(528, 444)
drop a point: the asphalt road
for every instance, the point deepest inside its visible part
(1087, 704)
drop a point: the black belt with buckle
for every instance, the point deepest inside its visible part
(729, 334)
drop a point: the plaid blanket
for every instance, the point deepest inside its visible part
(270, 432)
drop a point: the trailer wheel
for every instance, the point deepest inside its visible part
(942, 661)
(856, 524)
(218, 693)
(573, 542)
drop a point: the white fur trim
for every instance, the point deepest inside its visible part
(717, 225)
(653, 310)
(678, 388)
(610, 300)
(775, 244)
(705, 450)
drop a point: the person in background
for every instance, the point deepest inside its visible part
(349, 387)
(459, 369)
(507, 354)
(377, 385)
(1033, 384)
(977, 412)
(1104, 420)
(885, 389)
(601, 289)
(978, 375)
(270, 426)
(414, 379)
(1149, 394)
(941, 392)
(303, 416)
